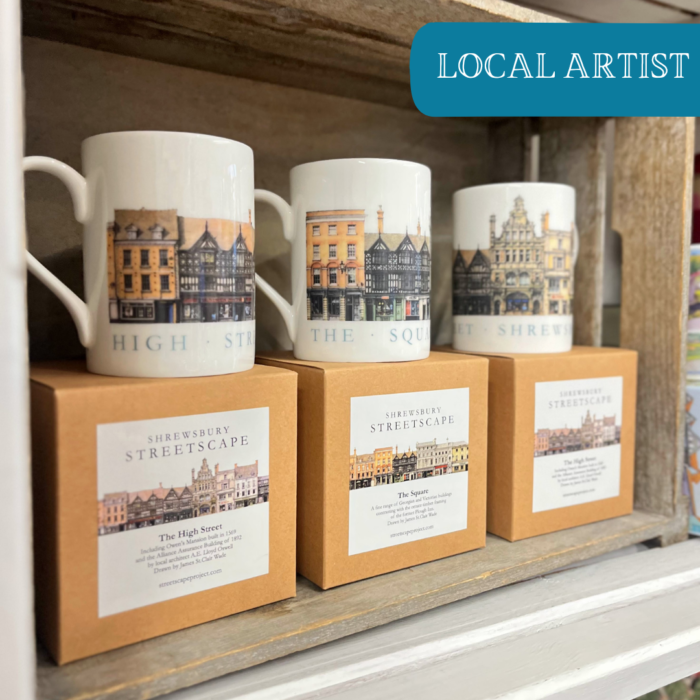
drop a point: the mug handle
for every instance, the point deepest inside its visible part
(283, 306)
(77, 186)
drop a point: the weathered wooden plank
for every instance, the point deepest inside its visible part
(314, 617)
(73, 93)
(651, 211)
(352, 48)
(572, 151)
(509, 149)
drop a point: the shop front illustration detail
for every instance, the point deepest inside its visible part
(165, 268)
(389, 465)
(353, 275)
(209, 492)
(522, 272)
(594, 432)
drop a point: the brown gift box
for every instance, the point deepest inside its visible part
(325, 458)
(68, 404)
(514, 441)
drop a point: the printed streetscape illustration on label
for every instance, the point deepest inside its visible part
(409, 467)
(576, 442)
(183, 506)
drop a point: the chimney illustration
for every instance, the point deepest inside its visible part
(545, 222)
(380, 219)
(492, 226)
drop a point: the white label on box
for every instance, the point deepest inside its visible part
(183, 506)
(576, 442)
(409, 467)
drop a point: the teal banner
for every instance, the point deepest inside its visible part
(539, 70)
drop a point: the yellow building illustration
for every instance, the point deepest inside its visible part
(335, 271)
(144, 247)
(522, 272)
(558, 268)
(460, 457)
(361, 466)
(383, 465)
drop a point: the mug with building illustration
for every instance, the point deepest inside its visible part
(360, 234)
(515, 247)
(168, 253)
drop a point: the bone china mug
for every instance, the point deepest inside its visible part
(515, 247)
(360, 235)
(167, 252)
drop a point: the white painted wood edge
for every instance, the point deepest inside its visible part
(17, 663)
(513, 617)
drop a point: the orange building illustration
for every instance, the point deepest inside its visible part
(143, 247)
(335, 271)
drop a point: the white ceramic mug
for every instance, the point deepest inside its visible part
(167, 251)
(515, 247)
(360, 235)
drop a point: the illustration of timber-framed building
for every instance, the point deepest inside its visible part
(209, 492)
(165, 268)
(353, 275)
(521, 273)
(387, 465)
(593, 432)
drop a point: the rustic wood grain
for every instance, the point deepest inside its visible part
(357, 48)
(651, 211)
(315, 617)
(572, 151)
(509, 146)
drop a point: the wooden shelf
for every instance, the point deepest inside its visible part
(314, 617)
(354, 48)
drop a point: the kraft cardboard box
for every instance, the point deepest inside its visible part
(561, 439)
(391, 463)
(159, 503)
